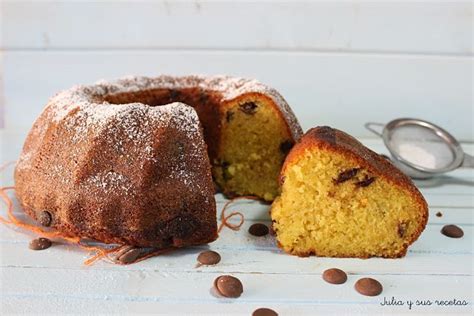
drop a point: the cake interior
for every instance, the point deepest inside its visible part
(247, 137)
(256, 144)
(332, 206)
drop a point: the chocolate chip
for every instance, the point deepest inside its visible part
(129, 255)
(40, 244)
(264, 312)
(259, 230)
(346, 175)
(209, 258)
(368, 287)
(229, 116)
(45, 219)
(228, 286)
(439, 214)
(366, 182)
(248, 108)
(452, 231)
(402, 229)
(335, 276)
(286, 146)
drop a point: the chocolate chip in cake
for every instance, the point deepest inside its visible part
(366, 182)
(129, 255)
(368, 287)
(228, 286)
(335, 276)
(40, 243)
(209, 258)
(248, 108)
(258, 230)
(346, 175)
(286, 146)
(45, 219)
(439, 214)
(402, 229)
(229, 116)
(452, 231)
(264, 312)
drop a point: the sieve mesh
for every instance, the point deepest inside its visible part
(421, 147)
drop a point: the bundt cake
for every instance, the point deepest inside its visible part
(127, 162)
(340, 199)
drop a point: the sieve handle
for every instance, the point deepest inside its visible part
(370, 127)
(468, 161)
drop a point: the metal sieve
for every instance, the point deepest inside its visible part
(421, 149)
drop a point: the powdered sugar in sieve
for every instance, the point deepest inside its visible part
(421, 149)
(421, 146)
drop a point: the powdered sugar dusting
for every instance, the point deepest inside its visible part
(135, 124)
(119, 125)
(80, 101)
(110, 182)
(84, 97)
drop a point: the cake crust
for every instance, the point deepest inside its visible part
(120, 175)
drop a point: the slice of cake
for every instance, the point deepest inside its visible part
(340, 199)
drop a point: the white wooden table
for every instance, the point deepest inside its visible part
(56, 281)
(377, 60)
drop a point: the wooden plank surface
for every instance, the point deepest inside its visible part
(430, 27)
(260, 289)
(421, 259)
(436, 268)
(321, 87)
(375, 60)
